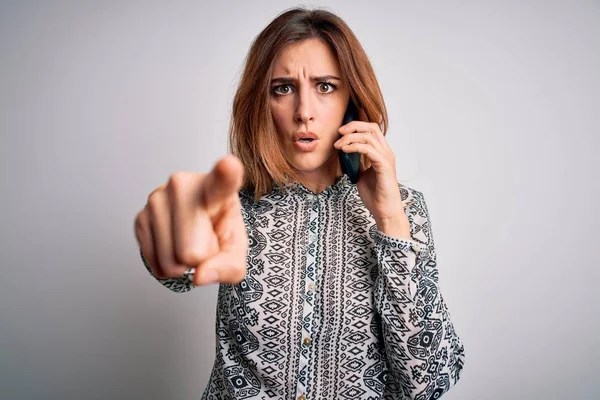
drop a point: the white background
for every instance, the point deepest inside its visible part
(493, 115)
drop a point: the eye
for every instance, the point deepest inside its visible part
(326, 87)
(282, 90)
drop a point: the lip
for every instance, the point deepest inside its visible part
(305, 135)
(310, 146)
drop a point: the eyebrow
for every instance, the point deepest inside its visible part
(284, 80)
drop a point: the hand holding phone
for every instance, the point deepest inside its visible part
(350, 162)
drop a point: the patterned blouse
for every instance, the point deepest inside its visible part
(330, 307)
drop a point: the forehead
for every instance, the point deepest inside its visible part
(311, 55)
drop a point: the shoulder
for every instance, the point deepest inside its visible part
(253, 209)
(246, 197)
(411, 197)
(249, 202)
(246, 202)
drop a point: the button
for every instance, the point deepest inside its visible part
(307, 341)
(302, 397)
(416, 248)
(311, 286)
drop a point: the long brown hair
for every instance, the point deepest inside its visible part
(252, 134)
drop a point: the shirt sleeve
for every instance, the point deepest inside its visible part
(425, 355)
(179, 285)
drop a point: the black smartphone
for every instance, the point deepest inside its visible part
(350, 162)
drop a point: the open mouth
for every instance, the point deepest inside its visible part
(306, 144)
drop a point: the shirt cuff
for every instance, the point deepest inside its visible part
(397, 243)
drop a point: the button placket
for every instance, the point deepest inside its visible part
(308, 318)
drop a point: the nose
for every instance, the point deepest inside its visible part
(304, 107)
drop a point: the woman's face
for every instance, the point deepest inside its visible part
(308, 100)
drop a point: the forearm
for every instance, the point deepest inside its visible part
(423, 351)
(397, 227)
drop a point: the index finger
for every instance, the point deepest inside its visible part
(222, 183)
(229, 265)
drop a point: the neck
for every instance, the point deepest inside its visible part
(320, 179)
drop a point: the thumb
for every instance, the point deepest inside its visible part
(223, 181)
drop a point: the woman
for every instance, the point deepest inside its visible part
(327, 289)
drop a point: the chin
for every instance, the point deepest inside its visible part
(307, 166)
(311, 163)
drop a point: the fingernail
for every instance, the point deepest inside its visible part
(209, 276)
